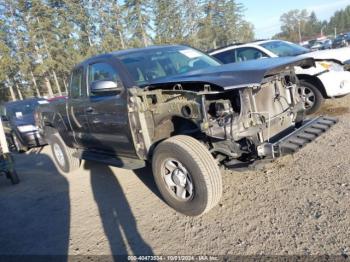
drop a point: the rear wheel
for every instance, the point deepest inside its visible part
(187, 175)
(312, 96)
(63, 154)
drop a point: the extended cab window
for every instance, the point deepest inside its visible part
(76, 83)
(226, 57)
(249, 53)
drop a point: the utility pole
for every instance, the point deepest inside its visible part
(335, 32)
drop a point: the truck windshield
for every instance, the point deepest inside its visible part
(148, 66)
(281, 48)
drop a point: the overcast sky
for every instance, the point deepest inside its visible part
(265, 15)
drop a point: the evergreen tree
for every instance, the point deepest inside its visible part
(168, 22)
(223, 24)
(139, 21)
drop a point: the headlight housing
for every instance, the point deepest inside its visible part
(27, 128)
(331, 66)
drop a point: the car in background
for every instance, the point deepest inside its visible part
(328, 79)
(57, 98)
(322, 45)
(19, 124)
(342, 40)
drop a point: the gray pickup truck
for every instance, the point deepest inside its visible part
(183, 112)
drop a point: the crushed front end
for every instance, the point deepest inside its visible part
(239, 124)
(263, 121)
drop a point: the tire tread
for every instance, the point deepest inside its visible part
(206, 162)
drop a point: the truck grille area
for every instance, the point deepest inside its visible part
(274, 102)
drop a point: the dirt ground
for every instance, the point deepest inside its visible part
(297, 205)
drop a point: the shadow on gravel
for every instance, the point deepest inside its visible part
(118, 221)
(146, 176)
(35, 214)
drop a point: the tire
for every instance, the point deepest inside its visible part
(203, 175)
(63, 154)
(313, 96)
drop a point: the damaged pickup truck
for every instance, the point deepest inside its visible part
(182, 111)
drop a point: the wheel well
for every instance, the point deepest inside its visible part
(314, 81)
(171, 127)
(49, 130)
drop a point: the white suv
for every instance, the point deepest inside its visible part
(328, 79)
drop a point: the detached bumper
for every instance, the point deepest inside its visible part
(290, 141)
(336, 83)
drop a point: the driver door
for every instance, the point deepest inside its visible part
(107, 113)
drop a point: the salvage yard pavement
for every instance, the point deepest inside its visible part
(298, 205)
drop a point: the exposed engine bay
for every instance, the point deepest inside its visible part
(232, 123)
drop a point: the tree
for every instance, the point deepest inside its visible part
(310, 26)
(223, 24)
(293, 24)
(41, 40)
(339, 21)
(139, 21)
(168, 22)
(191, 15)
(111, 23)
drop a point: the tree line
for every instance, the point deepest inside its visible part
(297, 24)
(41, 40)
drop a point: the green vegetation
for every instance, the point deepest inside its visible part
(298, 24)
(41, 40)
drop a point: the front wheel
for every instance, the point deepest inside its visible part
(63, 155)
(312, 96)
(187, 175)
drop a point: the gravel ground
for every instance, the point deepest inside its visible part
(296, 205)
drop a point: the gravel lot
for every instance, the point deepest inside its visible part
(297, 205)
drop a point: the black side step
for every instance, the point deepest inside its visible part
(304, 135)
(126, 163)
(291, 142)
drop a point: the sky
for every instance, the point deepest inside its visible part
(265, 15)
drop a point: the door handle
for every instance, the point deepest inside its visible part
(89, 109)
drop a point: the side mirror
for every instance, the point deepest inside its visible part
(4, 118)
(105, 86)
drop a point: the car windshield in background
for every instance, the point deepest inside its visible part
(19, 109)
(281, 48)
(145, 67)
